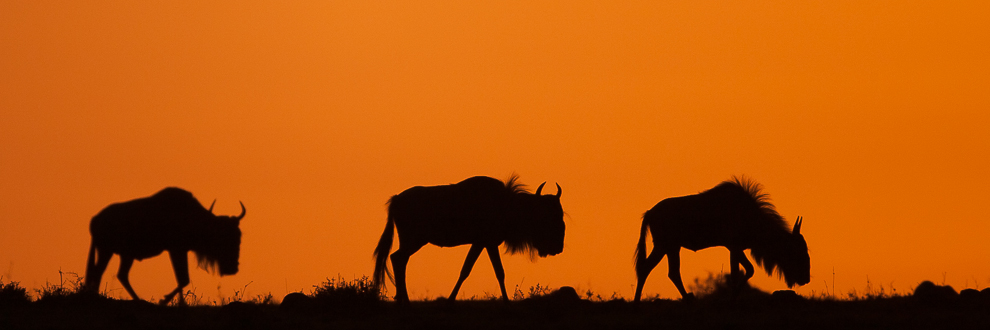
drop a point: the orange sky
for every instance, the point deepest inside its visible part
(869, 119)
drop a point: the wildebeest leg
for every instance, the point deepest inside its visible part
(737, 279)
(122, 273)
(674, 272)
(643, 270)
(180, 264)
(94, 274)
(499, 272)
(746, 265)
(399, 260)
(735, 258)
(472, 256)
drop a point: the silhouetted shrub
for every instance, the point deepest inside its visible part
(69, 292)
(702, 288)
(70, 284)
(721, 287)
(350, 295)
(535, 291)
(596, 297)
(873, 292)
(263, 299)
(12, 294)
(240, 296)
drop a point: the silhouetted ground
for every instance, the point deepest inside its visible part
(563, 311)
(341, 304)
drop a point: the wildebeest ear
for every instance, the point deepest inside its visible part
(797, 226)
(540, 188)
(559, 191)
(211, 205)
(243, 212)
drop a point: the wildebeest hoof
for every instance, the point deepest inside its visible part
(689, 297)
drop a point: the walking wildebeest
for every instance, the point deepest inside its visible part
(480, 211)
(733, 214)
(171, 220)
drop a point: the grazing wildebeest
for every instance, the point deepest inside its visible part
(480, 211)
(171, 220)
(733, 214)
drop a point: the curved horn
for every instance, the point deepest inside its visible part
(559, 191)
(540, 188)
(243, 211)
(211, 205)
(797, 226)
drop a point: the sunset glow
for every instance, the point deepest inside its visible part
(867, 119)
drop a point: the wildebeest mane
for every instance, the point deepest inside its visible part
(516, 240)
(771, 254)
(768, 215)
(515, 243)
(207, 261)
(520, 245)
(514, 186)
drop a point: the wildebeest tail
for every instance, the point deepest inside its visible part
(640, 254)
(381, 255)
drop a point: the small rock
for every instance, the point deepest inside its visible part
(565, 293)
(296, 301)
(931, 293)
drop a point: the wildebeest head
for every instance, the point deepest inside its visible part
(797, 268)
(542, 219)
(223, 249)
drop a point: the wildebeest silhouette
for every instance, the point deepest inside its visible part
(734, 214)
(171, 220)
(481, 211)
